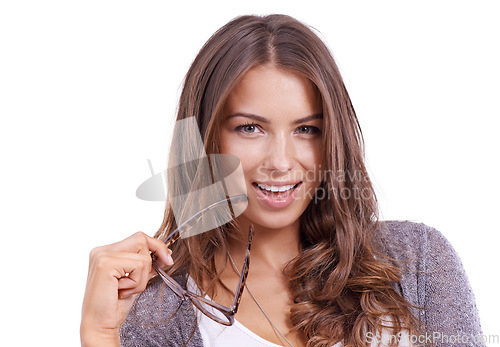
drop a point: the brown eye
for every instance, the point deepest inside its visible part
(307, 129)
(247, 128)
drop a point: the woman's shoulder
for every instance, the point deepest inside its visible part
(417, 247)
(432, 278)
(420, 251)
(411, 240)
(160, 318)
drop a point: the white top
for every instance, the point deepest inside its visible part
(218, 335)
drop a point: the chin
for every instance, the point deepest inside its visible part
(270, 220)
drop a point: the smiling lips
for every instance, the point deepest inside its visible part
(277, 196)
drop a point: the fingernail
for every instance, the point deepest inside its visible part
(170, 260)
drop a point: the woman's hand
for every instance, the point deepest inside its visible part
(117, 273)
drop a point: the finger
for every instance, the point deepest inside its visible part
(133, 266)
(143, 244)
(152, 245)
(126, 294)
(132, 285)
(160, 249)
(135, 271)
(163, 259)
(131, 271)
(117, 265)
(127, 283)
(135, 281)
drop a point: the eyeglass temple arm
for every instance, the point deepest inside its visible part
(174, 286)
(176, 234)
(244, 273)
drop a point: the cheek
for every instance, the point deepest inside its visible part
(249, 159)
(311, 156)
(311, 163)
(249, 155)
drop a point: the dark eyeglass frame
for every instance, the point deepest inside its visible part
(198, 300)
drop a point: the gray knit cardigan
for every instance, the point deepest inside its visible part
(433, 278)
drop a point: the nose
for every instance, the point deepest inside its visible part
(280, 154)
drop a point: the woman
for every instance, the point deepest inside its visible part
(323, 270)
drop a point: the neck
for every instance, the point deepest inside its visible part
(271, 248)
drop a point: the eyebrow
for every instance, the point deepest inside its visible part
(267, 121)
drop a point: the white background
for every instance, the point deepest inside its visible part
(88, 92)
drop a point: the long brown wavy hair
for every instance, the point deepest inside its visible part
(341, 287)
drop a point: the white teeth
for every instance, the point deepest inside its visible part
(275, 188)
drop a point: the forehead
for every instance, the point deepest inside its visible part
(267, 91)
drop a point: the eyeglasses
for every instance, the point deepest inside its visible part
(219, 313)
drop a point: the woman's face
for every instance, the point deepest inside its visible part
(273, 124)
